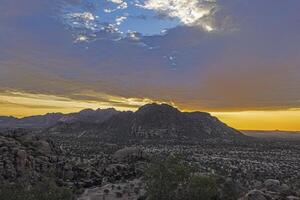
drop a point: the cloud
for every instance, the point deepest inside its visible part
(121, 4)
(189, 12)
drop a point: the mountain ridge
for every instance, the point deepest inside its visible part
(50, 119)
(153, 121)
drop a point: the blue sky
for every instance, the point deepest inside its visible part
(146, 17)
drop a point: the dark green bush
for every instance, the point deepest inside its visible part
(44, 190)
(201, 188)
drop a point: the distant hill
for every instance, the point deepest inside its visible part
(51, 119)
(149, 122)
(276, 134)
(31, 122)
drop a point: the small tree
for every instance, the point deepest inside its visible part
(165, 177)
(172, 179)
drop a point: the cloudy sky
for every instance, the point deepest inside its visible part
(239, 60)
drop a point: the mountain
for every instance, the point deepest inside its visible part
(31, 122)
(51, 119)
(152, 121)
(89, 115)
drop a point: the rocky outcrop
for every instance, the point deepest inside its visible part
(271, 190)
(129, 153)
(256, 195)
(134, 190)
(26, 157)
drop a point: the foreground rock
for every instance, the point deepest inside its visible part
(272, 190)
(129, 153)
(131, 190)
(26, 157)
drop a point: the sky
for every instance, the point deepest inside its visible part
(239, 60)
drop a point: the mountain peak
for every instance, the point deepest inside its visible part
(106, 110)
(157, 107)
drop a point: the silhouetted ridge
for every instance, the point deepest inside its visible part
(150, 121)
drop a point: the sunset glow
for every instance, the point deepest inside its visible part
(23, 104)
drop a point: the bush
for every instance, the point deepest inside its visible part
(172, 179)
(44, 190)
(202, 188)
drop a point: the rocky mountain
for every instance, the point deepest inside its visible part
(164, 120)
(148, 122)
(153, 121)
(51, 119)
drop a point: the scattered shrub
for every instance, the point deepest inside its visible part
(44, 190)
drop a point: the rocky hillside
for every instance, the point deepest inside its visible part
(165, 121)
(26, 157)
(153, 121)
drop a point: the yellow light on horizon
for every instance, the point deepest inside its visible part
(20, 104)
(288, 120)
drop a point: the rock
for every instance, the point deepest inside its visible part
(129, 153)
(255, 195)
(293, 198)
(257, 184)
(21, 160)
(272, 185)
(285, 190)
(133, 190)
(25, 157)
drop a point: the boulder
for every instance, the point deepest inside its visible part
(128, 153)
(255, 195)
(272, 185)
(293, 198)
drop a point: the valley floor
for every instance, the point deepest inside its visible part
(248, 162)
